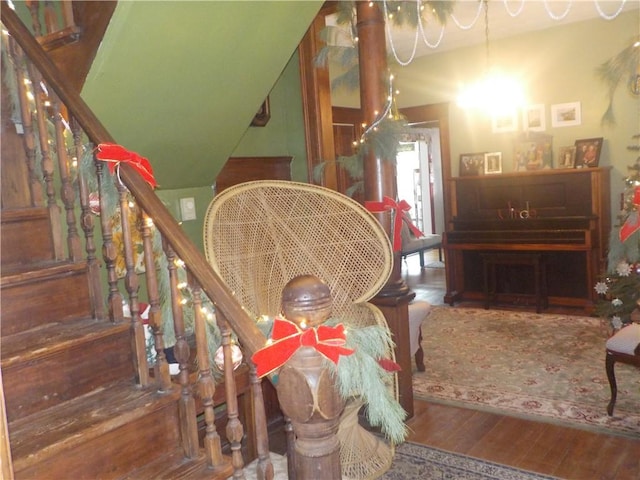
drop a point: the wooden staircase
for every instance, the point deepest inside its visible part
(74, 403)
(73, 406)
(78, 398)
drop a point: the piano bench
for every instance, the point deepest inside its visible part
(536, 260)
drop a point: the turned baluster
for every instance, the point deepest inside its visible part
(109, 253)
(206, 383)
(186, 404)
(67, 14)
(87, 225)
(161, 366)
(132, 286)
(234, 430)
(66, 189)
(291, 448)
(265, 467)
(28, 135)
(34, 9)
(306, 388)
(50, 17)
(47, 163)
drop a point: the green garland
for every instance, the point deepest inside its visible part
(625, 64)
(360, 375)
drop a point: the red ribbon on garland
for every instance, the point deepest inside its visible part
(115, 154)
(632, 224)
(401, 208)
(287, 338)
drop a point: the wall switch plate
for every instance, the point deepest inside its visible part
(188, 208)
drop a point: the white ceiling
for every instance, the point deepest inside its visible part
(532, 15)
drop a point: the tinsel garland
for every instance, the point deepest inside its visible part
(403, 13)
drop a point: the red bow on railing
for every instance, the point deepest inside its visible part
(632, 224)
(401, 208)
(114, 154)
(287, 338)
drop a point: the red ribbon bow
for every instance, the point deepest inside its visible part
(114, 154)
(632, 224)
(401, 208)
(287, 338)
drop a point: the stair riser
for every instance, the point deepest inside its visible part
(63, 375)
(26, 241)
(32, 304)
(114, 453)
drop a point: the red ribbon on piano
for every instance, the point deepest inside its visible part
(400, 208)
(632, 224)
(115, 154)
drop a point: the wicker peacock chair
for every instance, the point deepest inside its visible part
(259, 235)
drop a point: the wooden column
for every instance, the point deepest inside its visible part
(380, 181)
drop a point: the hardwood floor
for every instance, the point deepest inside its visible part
(541, 447)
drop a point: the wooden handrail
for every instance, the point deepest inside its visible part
(243, 325)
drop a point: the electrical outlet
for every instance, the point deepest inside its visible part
(188, 208)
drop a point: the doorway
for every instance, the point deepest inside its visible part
(419, 178)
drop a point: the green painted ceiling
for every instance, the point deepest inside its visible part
(179, 82)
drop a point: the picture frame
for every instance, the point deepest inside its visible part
(492, 163)
(263, 115)
(534, 118)
(507, 122)
(532, 151)
(567, 157)
(588, 152)
(471, 164)
(566, 114)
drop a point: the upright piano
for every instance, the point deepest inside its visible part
(562, 214)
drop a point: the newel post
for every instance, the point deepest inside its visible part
(306, 389)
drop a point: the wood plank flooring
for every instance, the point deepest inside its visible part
(563, 452)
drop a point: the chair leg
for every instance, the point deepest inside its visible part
(419, 356)
(611, 376)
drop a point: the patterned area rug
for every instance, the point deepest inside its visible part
(413, 461)
(541, 366)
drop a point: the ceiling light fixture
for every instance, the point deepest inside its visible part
(495, 93)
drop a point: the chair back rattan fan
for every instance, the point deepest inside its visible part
(259, 235)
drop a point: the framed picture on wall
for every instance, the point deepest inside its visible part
(492, 163)
(507, 122)
(588, 152)
(471, 164)
(567, 157)
(533, 118)
(566, 114)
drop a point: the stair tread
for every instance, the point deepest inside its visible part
(45, 433)
(53, 337)
(174, 466)
(23, 213)
(19, 273)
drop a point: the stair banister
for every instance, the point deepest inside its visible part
(245, 328)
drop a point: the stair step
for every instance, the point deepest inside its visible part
(47, 292)
(62, 361)
(104, 434)
(26, 236)
(49, 339)
(175, 467)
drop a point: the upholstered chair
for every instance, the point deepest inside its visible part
(622, 347)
